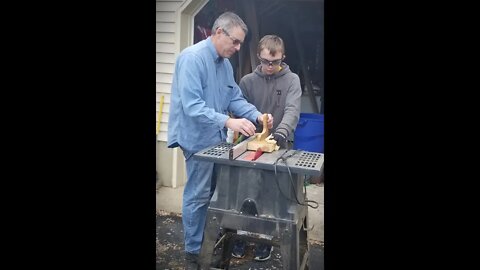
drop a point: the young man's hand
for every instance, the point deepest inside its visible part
(281, 139)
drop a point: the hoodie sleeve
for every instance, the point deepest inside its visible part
(292, 107)
(244, 88)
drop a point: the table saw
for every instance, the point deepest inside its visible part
(261, 196)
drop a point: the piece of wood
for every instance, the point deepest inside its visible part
(261, 141)
(265, 132)
(265, 146)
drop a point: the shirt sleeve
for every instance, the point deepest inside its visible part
(191, 92)
(241, 108)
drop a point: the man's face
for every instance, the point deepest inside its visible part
(270, 64)
(230, 41)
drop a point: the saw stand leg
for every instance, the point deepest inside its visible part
(208, 257)
(294, 246)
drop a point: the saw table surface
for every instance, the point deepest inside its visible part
(298, 161)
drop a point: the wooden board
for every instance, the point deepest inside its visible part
(265, 132)
(260, 139)
(265, 146)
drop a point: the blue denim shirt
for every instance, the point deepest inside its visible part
(203, 92)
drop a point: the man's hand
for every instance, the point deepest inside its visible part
(281, 139)
(241, 125)
(269, 120)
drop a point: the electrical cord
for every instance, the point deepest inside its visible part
(284, 159)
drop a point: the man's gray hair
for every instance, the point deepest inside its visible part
(227, 21)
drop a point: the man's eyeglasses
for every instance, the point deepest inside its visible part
(235, 41)
(270, 63)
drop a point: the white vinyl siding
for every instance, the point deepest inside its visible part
(165, 58)
(165, 67)
(163, 88)
(167, 27)
(163, 47)
(164, 77)
(165, 16)
(165, 37)
(168, 58)
(168, 5)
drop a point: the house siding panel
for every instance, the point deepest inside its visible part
(165, 37)
(164, 77)
(165, 67)
(165, 16)
(168, 5)
(165, 58)
(163, 87)
(165, 47)
(166, 27)
(168, 58)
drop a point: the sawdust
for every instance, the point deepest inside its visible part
(316, 242)
(167, 246)
(168, 221)
(162, 213)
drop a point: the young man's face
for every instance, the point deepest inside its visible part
(270, 64)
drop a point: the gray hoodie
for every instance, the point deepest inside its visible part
(278, 94)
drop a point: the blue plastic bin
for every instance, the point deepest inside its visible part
(309, 134)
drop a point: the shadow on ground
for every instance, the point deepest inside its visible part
(170, 249)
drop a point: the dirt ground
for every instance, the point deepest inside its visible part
(170, 249)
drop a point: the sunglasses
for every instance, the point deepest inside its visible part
(270, 63)
(234, 40)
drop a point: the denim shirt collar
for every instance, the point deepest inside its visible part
(216, 58)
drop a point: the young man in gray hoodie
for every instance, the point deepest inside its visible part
(272, 88)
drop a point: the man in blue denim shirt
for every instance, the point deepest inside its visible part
(203, 93)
